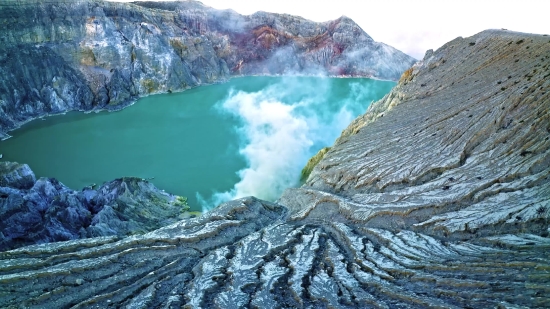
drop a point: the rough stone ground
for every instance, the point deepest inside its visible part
(438, 196)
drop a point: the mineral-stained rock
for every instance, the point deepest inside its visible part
(65, 55)
(438, 196)
(46, 210)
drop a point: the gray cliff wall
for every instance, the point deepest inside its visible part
(438, 196)
(57, 56)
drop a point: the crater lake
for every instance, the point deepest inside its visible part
(249, 136)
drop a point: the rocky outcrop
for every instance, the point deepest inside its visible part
(438, 196)
(16, 176)
(44, 210)
(65, 55)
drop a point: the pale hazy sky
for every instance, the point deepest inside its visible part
(412, 26)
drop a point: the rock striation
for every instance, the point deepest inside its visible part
(438, 196)
(44, 210)
(86, 55)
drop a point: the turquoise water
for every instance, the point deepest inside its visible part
(197, 141)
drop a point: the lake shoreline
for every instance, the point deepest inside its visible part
(132, 101)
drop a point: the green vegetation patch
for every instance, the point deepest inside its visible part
(306, 171)
(181, 201)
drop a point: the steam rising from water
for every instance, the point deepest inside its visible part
(284, 125)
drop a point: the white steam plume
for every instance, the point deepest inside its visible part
(283, 126)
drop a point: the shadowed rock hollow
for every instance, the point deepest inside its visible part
(438, 196)
(63, 55)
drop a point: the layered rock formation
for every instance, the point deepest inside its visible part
(44, 210)
(438, 196)
(87, 55)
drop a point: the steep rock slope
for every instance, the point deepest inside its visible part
(437, 197)
(87, 55)
(460, 145)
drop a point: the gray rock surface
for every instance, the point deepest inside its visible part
(62, 55)
(438, 196)
(44, 210)
(15, 175)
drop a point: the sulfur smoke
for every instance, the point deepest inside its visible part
(284, 125)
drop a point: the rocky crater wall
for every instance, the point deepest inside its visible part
(57, 56)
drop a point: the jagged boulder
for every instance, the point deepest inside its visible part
(437, 197)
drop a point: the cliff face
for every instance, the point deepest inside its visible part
(438, 196)
(84, 55)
